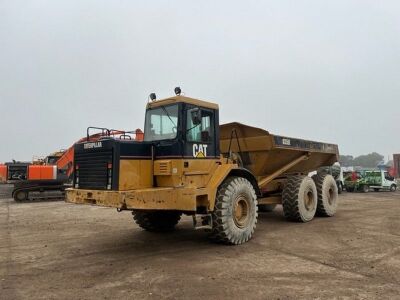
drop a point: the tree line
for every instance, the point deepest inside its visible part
(371, 160)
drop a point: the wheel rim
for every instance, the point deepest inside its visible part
(309, 200)
(241, 211)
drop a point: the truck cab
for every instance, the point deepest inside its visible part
(178, 155)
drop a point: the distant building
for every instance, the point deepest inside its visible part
(396, 164)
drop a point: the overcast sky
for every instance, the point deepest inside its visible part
(321, 70)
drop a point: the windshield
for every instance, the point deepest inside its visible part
(161, 123)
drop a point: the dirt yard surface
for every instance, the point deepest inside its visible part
(55, 250)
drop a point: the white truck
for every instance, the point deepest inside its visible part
(367, 180)
(381, 180)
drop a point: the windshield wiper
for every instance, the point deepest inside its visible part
(169, 117)
(192, 128)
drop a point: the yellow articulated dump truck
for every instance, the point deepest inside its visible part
(221, 175)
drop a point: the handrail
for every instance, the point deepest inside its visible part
(103, 130)
(230, 144)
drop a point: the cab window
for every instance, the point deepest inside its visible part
(202, 132)
(161, 123)
(388, 177)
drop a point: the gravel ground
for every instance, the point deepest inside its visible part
(55, 250)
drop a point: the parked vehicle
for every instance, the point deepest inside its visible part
(221, 175)
(366, 180)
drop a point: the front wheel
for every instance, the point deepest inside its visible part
(235, 213)
(393, 188)
(157, 221)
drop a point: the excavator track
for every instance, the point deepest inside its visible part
(28, 190)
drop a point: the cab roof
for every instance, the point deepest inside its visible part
(184, 99)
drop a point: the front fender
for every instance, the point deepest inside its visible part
(223, 172)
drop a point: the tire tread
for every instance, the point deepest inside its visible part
(220, 230)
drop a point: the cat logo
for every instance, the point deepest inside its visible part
(199, 151)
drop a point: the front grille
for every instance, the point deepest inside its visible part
(92, 169)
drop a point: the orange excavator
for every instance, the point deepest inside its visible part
(3, 173)
(55, 172)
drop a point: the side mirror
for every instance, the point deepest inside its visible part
(196, 116)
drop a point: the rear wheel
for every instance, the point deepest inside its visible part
(235, 213)
(393, 188)
(157, 221)
(20, 196)
(327, 191)
(364, 188)
(266, 207)
(299, 199)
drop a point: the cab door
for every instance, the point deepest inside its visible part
(387, 180)
(201, 148)
(200, 133)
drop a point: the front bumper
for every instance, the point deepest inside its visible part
(183, 199)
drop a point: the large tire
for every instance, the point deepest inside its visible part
(299, 199)
(20, 196)
(332, 170)
(266, 207)
(393, 188)
(235, 213)
(327, 191)
(157, 221)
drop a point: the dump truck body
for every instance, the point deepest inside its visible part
(187, 162)
(268, 156)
